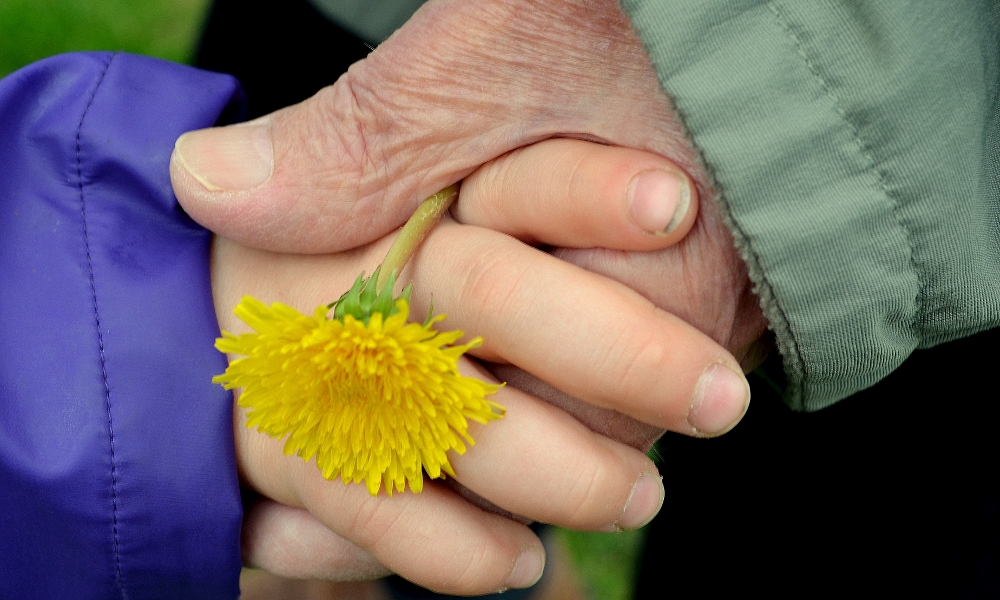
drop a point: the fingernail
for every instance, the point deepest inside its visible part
(721, 398)
(659, 200)
(644, 503)
(527, 569)
(237, 157)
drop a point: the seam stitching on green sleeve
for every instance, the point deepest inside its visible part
(770, 304)
(865, 151)
(777, 318)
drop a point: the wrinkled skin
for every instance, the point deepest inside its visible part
(461, 84)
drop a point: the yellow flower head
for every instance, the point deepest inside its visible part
(373, 398)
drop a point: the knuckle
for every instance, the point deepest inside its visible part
(374, 145)
(372, 522)
(352, 134)
(578, 181)
(495, 284)
(456, 564)
(639, 363)
(354, 156)
(587, 495)
(471, 575)
(496, 186)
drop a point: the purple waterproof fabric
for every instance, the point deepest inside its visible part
(117, 473)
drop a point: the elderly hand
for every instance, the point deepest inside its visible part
(462, 83)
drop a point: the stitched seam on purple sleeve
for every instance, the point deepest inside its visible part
(100, 335)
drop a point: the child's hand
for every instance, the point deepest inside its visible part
(585, 334)
(700, 279)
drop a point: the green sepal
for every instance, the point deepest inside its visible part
(350, 302)
(405, 295)
(368, 294)
(383, 302)
(430, 313)
(362, 300)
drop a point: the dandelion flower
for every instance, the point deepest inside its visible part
(371, 396)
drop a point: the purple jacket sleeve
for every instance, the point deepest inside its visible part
(117, 468)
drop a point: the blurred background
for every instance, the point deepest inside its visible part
(34, 29)
(603, 565)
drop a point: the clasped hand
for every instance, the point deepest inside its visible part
(343, 169)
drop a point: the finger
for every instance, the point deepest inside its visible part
(578, 194)
(605, 421)
(582, 333)
(434, 538)
(290, 542)
(257, 584)
(600, 485)
(451, 90)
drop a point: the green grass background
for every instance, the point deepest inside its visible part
(606, 563)
(33, 29)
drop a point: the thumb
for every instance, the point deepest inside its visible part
(460, 84)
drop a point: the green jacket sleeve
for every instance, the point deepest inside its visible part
(855, 146)
(372, 21)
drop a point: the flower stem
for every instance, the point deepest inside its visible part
(416, 229)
